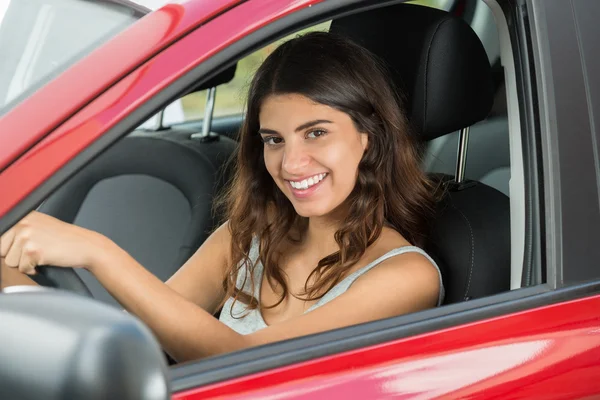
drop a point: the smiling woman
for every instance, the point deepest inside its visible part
(325, 214)
(325, 207)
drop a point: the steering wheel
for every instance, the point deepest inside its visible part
(67, 279)
(61, 278)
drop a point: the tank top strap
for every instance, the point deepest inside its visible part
(345, 283)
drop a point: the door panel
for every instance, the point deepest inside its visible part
(550, 352)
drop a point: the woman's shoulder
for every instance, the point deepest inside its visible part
(388, 243)
(222, 235)
(400, 259)
(393, 260)
(389, 240)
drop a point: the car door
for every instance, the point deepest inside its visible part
(538, 340)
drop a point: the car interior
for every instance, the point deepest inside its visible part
(153, 191)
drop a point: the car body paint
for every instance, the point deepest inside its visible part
(550, 352)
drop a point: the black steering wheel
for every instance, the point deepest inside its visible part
(61, 278)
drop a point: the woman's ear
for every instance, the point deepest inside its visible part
(364, 141)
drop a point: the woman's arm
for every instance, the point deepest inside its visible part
(402, 284)
(39, 239)
(163, 308)
(185, 330)
(172, 311)
(12, 276)
(200, 279)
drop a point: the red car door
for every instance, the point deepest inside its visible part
(542, 341)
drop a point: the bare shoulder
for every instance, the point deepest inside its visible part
(410, 273)
(391, 239)
(222, 236)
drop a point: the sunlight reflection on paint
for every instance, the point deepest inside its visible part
(439, 375)
(418, 379)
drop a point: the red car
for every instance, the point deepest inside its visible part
(103, 124)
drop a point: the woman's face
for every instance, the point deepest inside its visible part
(312, 152)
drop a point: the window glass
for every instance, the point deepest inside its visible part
(39, 39)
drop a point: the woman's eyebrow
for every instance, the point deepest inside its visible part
(311, 123)
(265, 131)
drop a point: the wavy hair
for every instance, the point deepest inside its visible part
(390, 188)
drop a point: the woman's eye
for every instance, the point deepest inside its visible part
(315, 134)
(272, 140)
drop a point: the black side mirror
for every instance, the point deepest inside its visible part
(57, 345)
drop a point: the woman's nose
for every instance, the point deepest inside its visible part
(295, 158)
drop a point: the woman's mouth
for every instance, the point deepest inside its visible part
(306, 187)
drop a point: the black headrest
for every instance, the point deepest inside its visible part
(435, 58)
(219, 79)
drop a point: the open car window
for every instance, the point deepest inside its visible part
(39, 39)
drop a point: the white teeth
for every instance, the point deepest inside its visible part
(306, 183)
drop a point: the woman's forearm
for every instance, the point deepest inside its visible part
(185, 330)
(12, 276)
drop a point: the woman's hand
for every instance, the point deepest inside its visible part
(39, 239)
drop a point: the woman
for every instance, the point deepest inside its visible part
(327, 187)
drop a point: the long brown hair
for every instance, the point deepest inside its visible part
(390, 188)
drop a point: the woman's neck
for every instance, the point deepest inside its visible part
(320, 235)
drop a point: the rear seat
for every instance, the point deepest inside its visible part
(488, 158)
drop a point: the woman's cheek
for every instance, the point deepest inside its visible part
(271, 163)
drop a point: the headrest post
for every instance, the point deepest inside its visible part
(159, 120)
(208, 111)
(461, 159)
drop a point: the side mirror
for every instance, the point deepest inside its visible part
(57, 345)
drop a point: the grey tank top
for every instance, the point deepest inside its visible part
(246, 322)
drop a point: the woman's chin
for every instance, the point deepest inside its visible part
(313, 209)
(310, 211)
